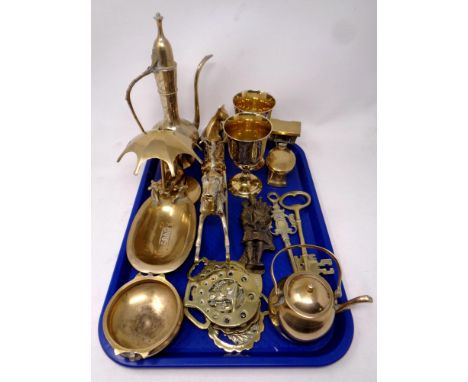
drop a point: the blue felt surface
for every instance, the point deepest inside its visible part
(192, 347)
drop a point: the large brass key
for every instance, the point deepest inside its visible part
(307, 262)
(285, 225)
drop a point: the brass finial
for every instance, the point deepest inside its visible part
(162, 50)
(159, 20)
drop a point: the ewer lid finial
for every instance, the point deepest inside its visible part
(162, 50)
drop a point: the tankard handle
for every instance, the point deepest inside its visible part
(337, 292)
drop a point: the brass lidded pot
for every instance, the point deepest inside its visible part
(303, 306)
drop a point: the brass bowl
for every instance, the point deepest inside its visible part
(161, 235)
(143, 317)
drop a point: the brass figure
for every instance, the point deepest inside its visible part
(214, 199)
(256, 221)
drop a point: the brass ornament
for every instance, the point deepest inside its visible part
(238, 341)
(165, 145)
(214, 199)
(228, 296)
(281, 160)
(256, 221)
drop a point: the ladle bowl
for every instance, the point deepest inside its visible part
(161, 235)
(143, 317)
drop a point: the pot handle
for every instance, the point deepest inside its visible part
(337, 292)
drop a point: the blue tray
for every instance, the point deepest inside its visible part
(192, 347)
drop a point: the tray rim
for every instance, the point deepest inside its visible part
(228, 360)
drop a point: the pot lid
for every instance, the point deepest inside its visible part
(308, 294)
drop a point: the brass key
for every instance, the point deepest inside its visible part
(307, 261)
(282, 227)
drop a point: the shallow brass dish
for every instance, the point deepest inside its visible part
(161, 235)
(143, 317)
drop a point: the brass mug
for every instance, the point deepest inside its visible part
(247, 135)
(254, 101)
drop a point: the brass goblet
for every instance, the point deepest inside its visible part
(247, 135)
(254, 101)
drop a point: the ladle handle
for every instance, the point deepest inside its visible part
(337, 292)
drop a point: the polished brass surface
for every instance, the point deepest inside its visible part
(256, 221)
(286, 131)
(303, 306)
(280, 161)
(214, 200)
(228, 296)
(247, 135)
(285, 225)
(307, 262)
(162, 233)
(142, 317)
(225, 292)
(240, 340)
(165, 145)
(172, 139)
(254, 101)
(164, 68)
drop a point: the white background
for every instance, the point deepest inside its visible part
(318, 58)
(45, 202)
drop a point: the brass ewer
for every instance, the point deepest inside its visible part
(183, 133)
